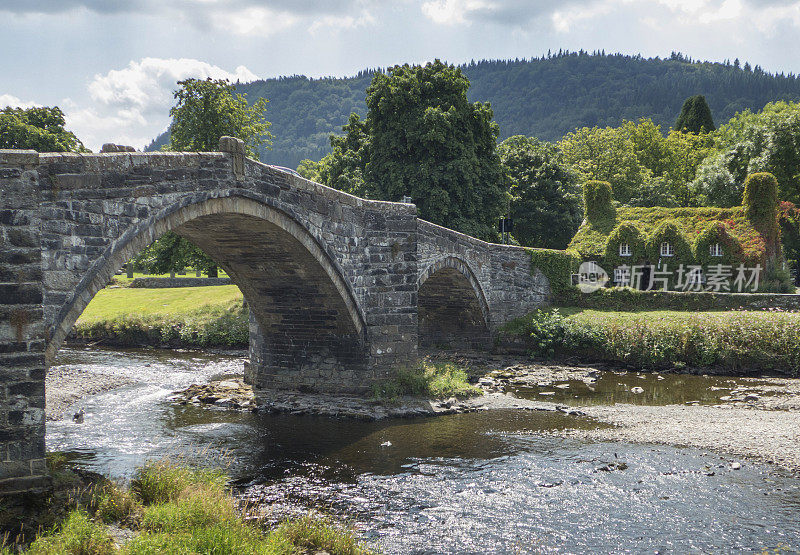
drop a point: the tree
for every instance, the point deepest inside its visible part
(422, 139)
(545, 195)
(208, 109)
(204, 111)
(695, 116)
(766, 141)
(40, 128)
(428, 142)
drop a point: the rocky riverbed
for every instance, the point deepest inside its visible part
(66, 385)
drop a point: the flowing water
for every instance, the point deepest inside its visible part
(489, 482)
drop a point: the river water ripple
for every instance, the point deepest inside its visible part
(491, 482)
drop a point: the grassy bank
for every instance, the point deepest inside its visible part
(185, 316)
(173, 509)
(734, 341)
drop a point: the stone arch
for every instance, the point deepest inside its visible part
(270, 256)
(453, 311)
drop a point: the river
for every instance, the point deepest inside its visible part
(486, 482)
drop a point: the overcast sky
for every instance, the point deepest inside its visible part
(111, 64)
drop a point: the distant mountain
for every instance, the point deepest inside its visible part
(544, 97)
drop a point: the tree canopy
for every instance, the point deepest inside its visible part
(422, 139)
(695, 116)
(208, 109)
(39, 128)
(545, 195)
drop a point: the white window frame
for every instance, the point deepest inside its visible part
(667, 249)
(625, 249)
(715, 249)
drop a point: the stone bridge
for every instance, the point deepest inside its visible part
(341, 290)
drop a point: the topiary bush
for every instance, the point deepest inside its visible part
(760, 201)
(598, 201)
(717, 232)
(629, 233)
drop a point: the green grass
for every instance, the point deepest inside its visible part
(185, 316)
(112, 303)
(730, 340)
(428, 379)
(181, 510)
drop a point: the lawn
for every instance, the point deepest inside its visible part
(735, 340)
(181, 316)
(114, 302)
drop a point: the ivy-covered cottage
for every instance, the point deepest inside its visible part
(719, 249)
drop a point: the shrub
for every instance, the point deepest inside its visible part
(626, 232)
(320, 535)
(598, 201)
(77, 535)
(545, 332)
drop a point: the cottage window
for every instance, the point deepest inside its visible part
(624, 249)
(715, 249)
(667, 249)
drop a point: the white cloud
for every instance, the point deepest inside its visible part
(253, 21)
(7, 100)
(450, 12)
(131, 105)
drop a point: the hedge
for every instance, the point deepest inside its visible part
(557, 266)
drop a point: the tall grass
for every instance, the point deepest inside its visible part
(175, 509)
(733, 340)
(428, 379)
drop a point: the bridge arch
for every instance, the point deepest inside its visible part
(303, 311)
(452, 308)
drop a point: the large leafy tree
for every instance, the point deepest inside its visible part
(766, 141)
(545, 194)
(40, 128)
(207, 109)
(204, 111)
(422, 139)
(427, 141)
(695, 116)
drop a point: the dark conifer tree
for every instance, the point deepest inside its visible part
(695, 116)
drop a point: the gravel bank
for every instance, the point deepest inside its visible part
(64, 386)
(771, 436)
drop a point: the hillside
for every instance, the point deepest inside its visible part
(544, 97)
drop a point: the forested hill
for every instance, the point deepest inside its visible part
(544, 97)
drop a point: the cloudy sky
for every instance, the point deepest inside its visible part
(111, 64)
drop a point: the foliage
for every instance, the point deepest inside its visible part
(760, 200)
(695, 116)
(644, 167)
(343, 168)
(206, 110)
(767, 141)
(545, 197)
(544, 97)
(731, 341)
(426, 141)
(717, 233)
(626, 232)
(590, 240)
(40, 128)
(116, 503)
(319, 535)
(545, 331)
(789, 222)
(173, 253)
(557, 266)
(428, 379)
(597, 201)
(668, 232)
